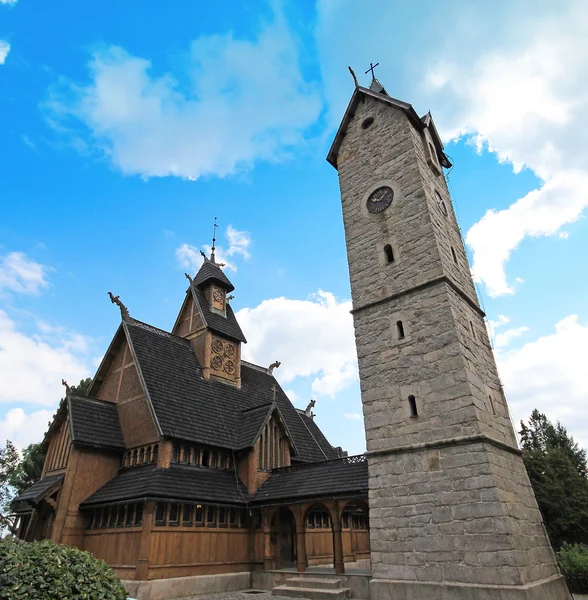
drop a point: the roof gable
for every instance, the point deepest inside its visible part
(95, 423)
(225, 325)
(189, 407)
(211, 272)
(359, 95)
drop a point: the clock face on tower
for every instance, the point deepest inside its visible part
(380, 199)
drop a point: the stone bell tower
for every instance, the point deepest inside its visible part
(452, 511)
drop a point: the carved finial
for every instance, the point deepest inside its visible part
(188, 278)
(231, 297)
(354, 77)
(221, 264)
(124, 312)
(66, 386)
(372, 67)
(204, 255)
(273, 366)
(308, 409)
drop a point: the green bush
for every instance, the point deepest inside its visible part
(573, 562)
(47, 571)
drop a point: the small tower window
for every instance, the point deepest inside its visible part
(389, 253)
(413, 406)
(400, 330)
(492, 404)
(367, 122)
(454, 255)
(473, 330)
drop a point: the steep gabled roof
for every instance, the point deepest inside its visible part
(359, 95)
(317, 434)
(178, 482)
(343, 476)
(210, 271)
(95, 423)
(40, 489)
(189, 407)
(226, 325)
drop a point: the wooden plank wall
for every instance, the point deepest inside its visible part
(118, 548)
(180, 552)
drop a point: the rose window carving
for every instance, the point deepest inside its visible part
(229, 367)
(218, 295)
(217, 346)
(229, 350)
(217, 363)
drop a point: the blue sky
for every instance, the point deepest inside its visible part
(126, 130)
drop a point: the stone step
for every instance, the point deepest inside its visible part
(315, 583)
(311, 593)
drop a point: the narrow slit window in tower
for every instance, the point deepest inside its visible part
(400, 330)
(389, 253)
(473, 330)
(413, 406)
(454, 255)
(492, 404)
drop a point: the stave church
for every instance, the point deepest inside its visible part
(189, 470)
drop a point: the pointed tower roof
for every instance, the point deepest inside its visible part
(211, 272)
(379, 93)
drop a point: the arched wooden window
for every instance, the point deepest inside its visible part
(413, 406)
(134, 459)
(155, 452)
(389, 253)
(142, 456)
(400, 330)
(128, 458)
(205, 458)
(148, 454)
(260, 457)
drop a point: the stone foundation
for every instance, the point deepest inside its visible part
(547, 589)
(182, 587)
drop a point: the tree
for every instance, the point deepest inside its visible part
(19, 473)
(558, 469)
(8, 463)
(29, 469)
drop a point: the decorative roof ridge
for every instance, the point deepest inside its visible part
(266, 406)
(256, 367)
(352, 460)
(95, 400)
(161, 332)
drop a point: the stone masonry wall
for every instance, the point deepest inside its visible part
(443, 508)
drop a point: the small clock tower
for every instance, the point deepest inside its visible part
(452, 511)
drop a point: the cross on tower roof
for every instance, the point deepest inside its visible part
(372, 67)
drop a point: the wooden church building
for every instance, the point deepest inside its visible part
(183, 459)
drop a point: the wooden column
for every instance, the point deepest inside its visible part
(300, 538)
(268, 563)
(142, 567)
(338, 560)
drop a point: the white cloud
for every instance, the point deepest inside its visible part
(8, 1)
(32, 366)
(509, 77)
(549, 374)
(23, 428)
(4, 50)
(239, 101)
(20, 274)
(310, 337)
(190, 258)
(504, 339)
(353, 416)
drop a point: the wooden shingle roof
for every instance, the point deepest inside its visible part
(95, 423)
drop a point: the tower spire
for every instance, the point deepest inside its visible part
(212, 256)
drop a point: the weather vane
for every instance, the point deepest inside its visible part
(372, 67)
(212, 257)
